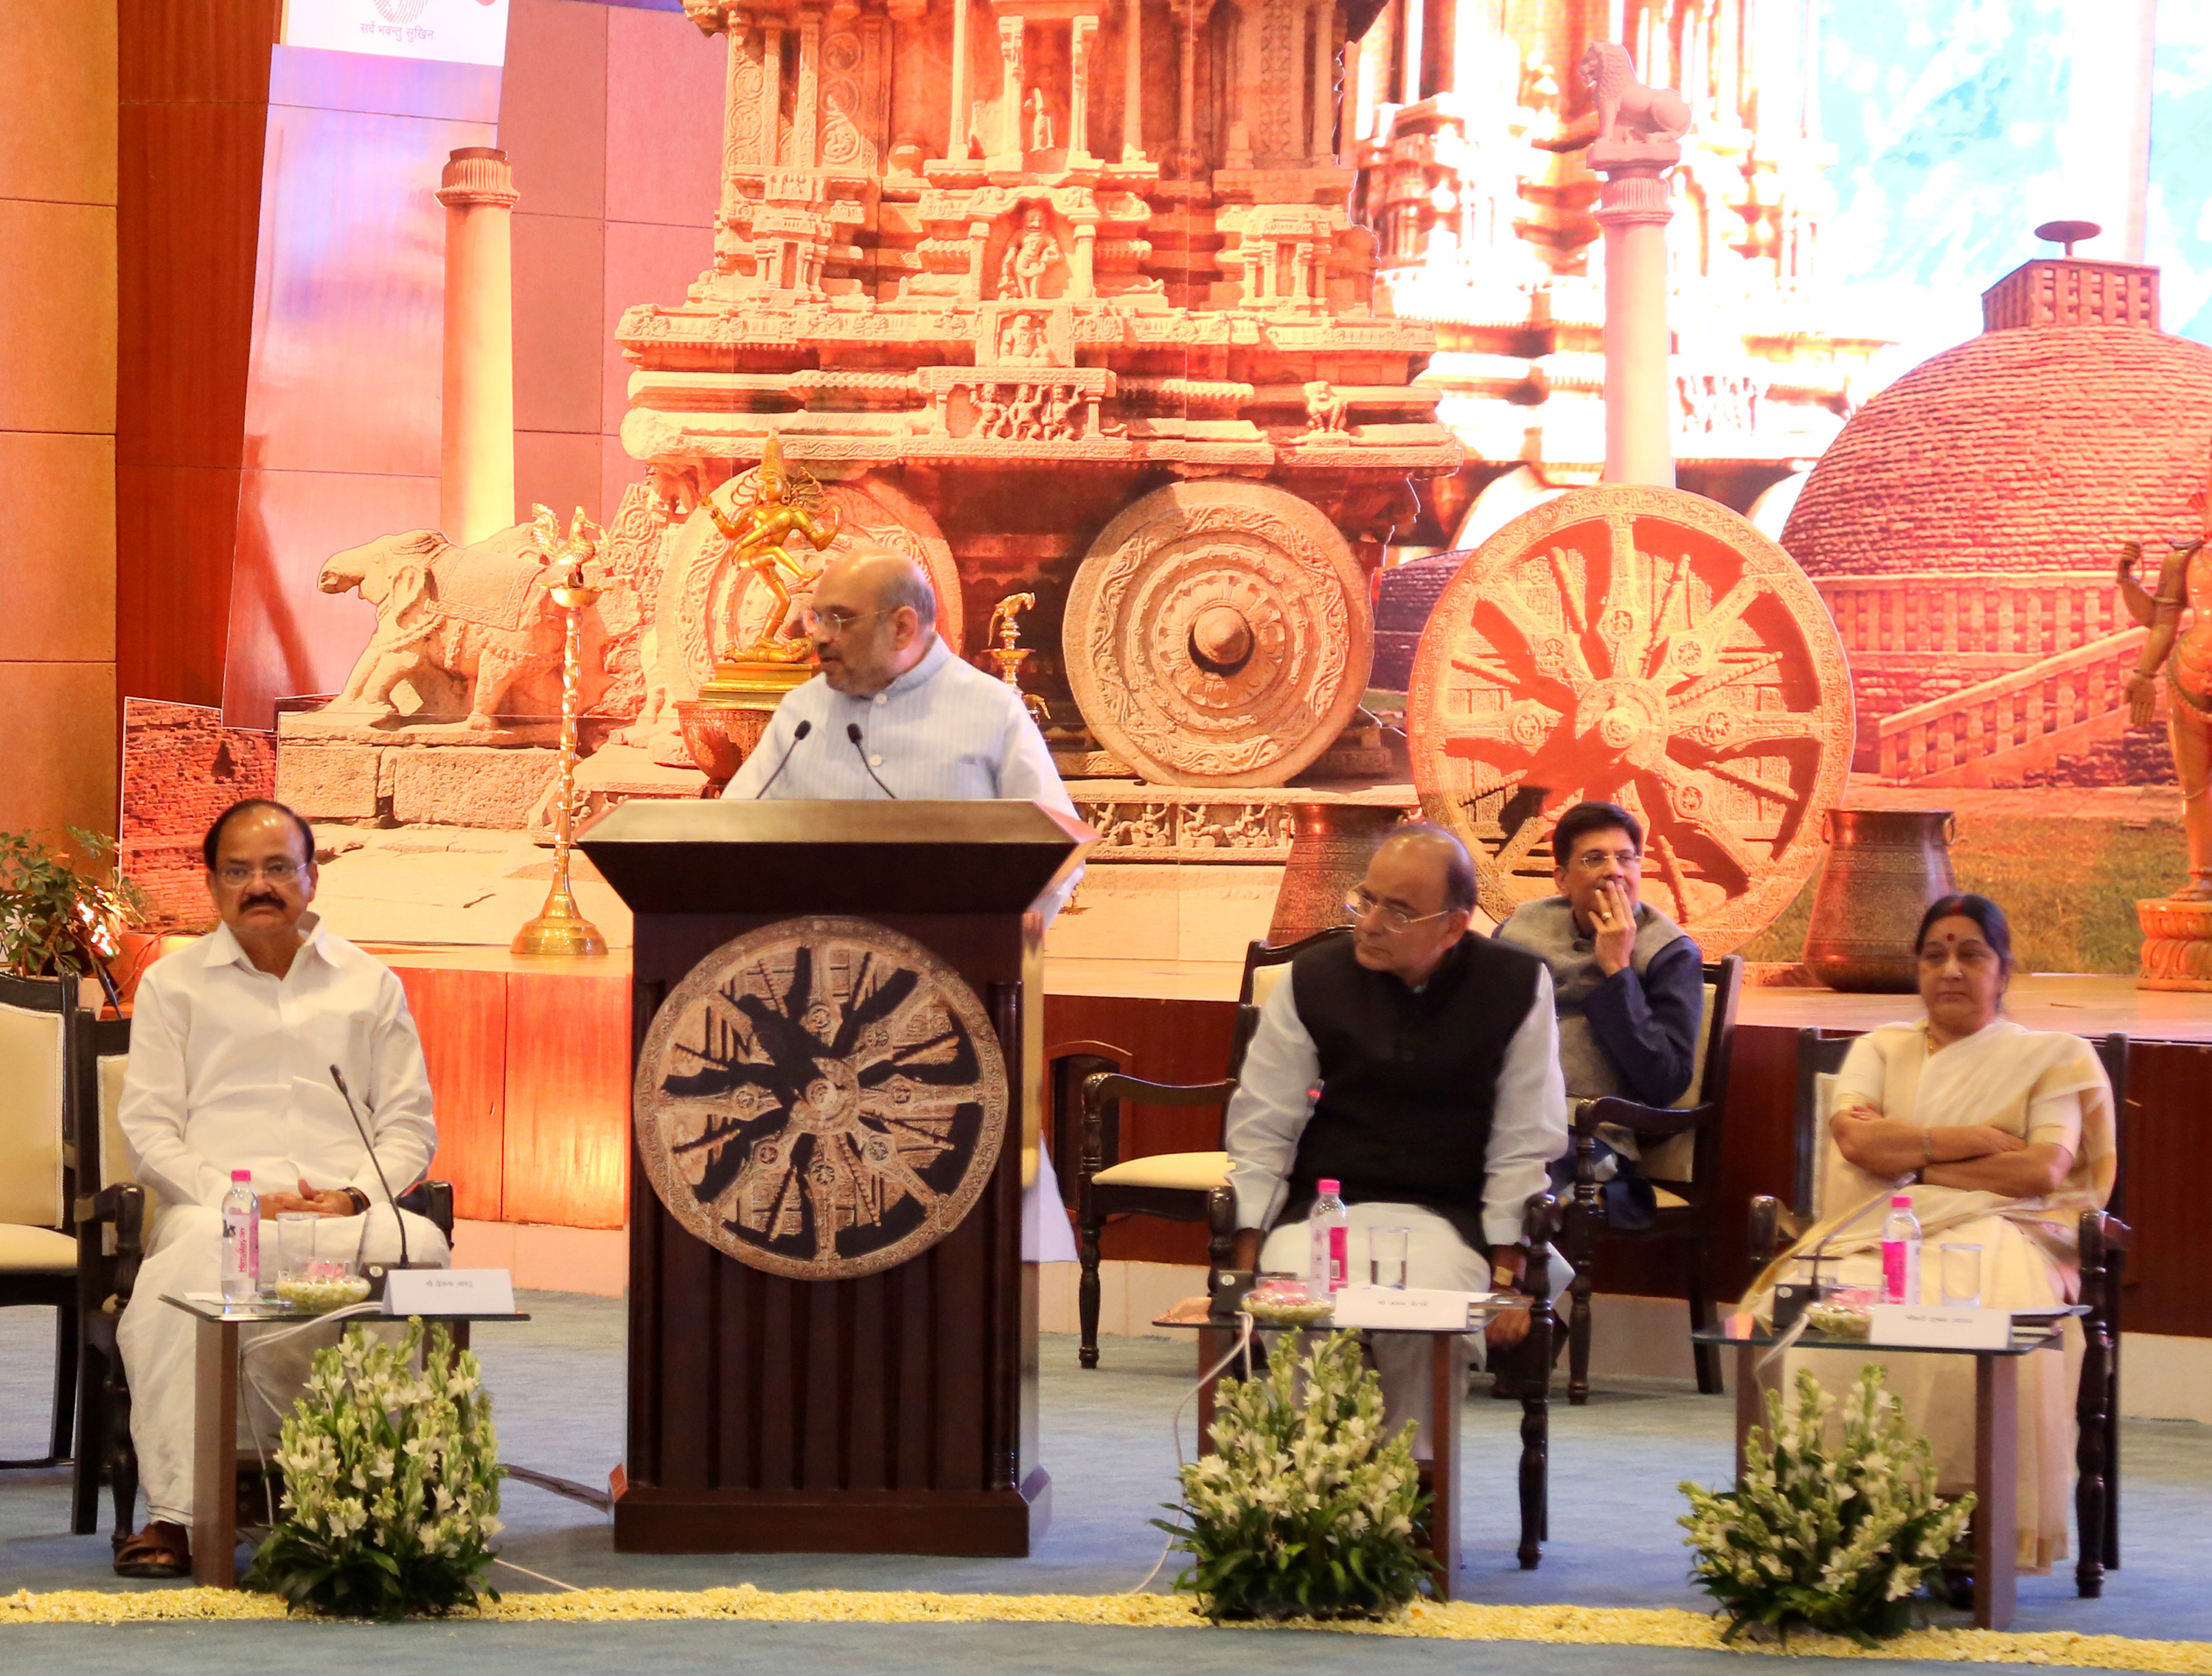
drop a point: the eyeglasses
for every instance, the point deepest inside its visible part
(1359, 904)
(1592, 861)
(279, 872)
(833, 622)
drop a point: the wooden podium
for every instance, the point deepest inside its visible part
(837, 1017)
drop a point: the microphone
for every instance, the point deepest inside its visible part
(796, 734)
(853, 732)
(398, 1221)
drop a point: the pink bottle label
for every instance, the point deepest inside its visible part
(1338, 1241)
(244, 1234)
(1894, 1277)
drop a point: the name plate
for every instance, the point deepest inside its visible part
(449, 1292)
(1910, 1324)
(1412, 1309)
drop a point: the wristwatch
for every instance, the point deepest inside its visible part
(360, 1200)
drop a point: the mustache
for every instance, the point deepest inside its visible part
(261, 899)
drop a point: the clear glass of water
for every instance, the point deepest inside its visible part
(1962, 1276)
(1386, 1257)
(295, 1243)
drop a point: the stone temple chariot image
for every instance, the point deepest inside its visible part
(1049, 293)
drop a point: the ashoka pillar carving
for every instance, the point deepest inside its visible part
(1652, 648)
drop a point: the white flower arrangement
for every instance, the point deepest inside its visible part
(391, 1482)
(1305, 1509)
(1827, 1540)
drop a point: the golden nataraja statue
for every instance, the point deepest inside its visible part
(761, 534)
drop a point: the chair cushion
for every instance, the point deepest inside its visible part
(1196, 1171)
(35, 1250)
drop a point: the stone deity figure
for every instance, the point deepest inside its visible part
(2184, 584)
(1029, 254)
(1040, 115)
(759, 535)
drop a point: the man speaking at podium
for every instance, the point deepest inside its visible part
(895, 714)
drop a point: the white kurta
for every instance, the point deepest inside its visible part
(1275, 1097)
(229, 1069)
(942, 731)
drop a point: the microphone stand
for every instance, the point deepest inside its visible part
(853, 732)
(796, 734)
(376, 1272)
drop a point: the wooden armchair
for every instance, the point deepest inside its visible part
(1172, 1185)
(1681, 1146)
(2105, 1241)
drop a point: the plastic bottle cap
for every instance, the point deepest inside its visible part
(1902, 1201)
(1328, 1184)
(242, 1176)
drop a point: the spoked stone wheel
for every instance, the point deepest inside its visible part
(1651, 648)
(1218, 635)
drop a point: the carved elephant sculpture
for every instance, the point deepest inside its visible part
(475, 620)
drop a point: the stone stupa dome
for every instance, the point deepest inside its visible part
(2070, 424)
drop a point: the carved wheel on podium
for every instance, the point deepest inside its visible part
(821, 1098)
(1651, 648)
(1216, 634)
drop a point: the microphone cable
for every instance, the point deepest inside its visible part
(853, 732)
(796, 734)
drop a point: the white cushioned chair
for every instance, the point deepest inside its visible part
(1172, 1185)
(38, 1254)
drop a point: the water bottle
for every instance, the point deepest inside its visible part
(1900, 1252)
(242, 1240)
(1328, 1225)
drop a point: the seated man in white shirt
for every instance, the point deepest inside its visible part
(232, 1042)
(1418, 1066)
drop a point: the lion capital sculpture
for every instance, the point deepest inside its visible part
(1627, 111)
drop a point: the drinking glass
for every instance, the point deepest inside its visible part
(295, 1242)
(1386, 1257)
(1962, 1276)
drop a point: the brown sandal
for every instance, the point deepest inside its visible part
(162, 1550)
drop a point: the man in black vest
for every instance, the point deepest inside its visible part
(1420, 1067)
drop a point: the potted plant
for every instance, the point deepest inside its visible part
(60, 917)
(391, 1482)
(1820, 1535)
(1305, 1509)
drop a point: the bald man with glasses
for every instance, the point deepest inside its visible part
(1418, 1068)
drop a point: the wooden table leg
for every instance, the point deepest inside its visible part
(1748, 1410)
(1997, 1462)
(215, 1454)
(1212, 1345)
(1444, 1405)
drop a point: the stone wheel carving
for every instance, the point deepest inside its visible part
(821, 1098)
(1653, 649)
(1217, 635)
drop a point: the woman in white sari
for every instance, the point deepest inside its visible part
(2003, 1136)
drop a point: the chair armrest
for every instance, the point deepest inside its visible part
(1641, 1119)
(434, 1202)
(2103, 1229)
(1106, 1087)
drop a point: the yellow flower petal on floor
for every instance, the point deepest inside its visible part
(1586, 1626)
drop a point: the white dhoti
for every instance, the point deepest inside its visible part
(1435, 1256)
(1046, 1235)
(185, 1255)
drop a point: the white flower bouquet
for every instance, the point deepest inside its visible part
(1305, 1509)
(1836, 1539)
(391, 1482)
